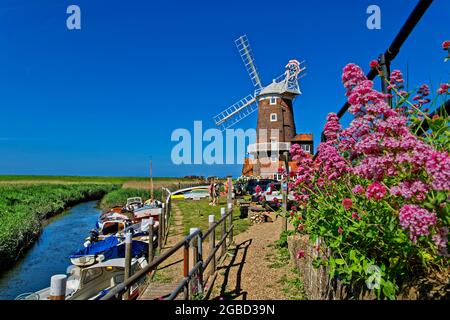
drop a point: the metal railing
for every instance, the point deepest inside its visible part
(392, 51)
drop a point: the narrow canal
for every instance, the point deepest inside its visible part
(61, 236)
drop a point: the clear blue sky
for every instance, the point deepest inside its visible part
(105, 99)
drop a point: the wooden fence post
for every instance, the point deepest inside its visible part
(186, 269)
(127, 271)
(151, 254)
(212, 244)
(193, 254)
(224, 231)
(163, 219)
(230, 212)
(285, 191)
(160, 217)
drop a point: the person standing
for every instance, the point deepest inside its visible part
(211, 192)
(216, 193)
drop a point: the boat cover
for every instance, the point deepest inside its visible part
(111, 249)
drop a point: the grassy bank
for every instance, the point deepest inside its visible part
(119, 197)
(23, 207)
(195, 215)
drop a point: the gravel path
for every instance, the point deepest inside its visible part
(247, 274)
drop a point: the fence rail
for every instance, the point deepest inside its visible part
(192, 283)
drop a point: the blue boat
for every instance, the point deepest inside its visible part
(110, 248)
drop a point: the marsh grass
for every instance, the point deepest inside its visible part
(23, 208)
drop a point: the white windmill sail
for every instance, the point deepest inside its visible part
(245, 51)
(236, 112)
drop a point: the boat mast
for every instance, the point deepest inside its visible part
(151, 181)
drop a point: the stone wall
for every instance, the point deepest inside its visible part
(318, 286)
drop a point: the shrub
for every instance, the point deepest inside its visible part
(377, 193)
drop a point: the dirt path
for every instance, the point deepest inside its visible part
(253, 270)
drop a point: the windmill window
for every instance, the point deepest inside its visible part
(306, 147)
(273, 100)
(273, 117)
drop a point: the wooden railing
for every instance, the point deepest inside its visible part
(194, 266)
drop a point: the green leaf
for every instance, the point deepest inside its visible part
(340, 261)
(352, 255)
(389, 290)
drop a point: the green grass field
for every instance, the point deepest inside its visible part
(79, 179)
(196, 212)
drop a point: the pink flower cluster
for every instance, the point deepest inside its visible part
(380, 150)
(410, 189)
(376, 191)
(416, 220)
(347, 203)
(351, 76)
(332, 127)
(441, 239)
(443, 88)
(438, 166)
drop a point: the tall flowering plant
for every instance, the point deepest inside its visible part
(377, 193)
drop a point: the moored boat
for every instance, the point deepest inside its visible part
(110, 248)
(93, 282)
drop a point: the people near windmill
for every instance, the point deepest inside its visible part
(216, 192)
(212, 193)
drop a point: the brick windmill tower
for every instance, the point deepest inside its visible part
(275, 127)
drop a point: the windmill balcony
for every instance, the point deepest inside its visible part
(268, 146)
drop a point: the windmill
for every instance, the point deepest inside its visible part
(287, 82)
(274, 105)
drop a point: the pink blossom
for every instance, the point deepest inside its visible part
(438, 167)
(441, 239)
(443, 88)
(355, 215)
(376, 191)
(446, 45)
(374, 64)
(340, 230)
(300, 254)
(358, 189)
(347, 203)
(352, 75)
(332, 127)
(410, 189)
(416, 220)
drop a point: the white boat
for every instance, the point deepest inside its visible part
(134, 203)
(92, 283)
